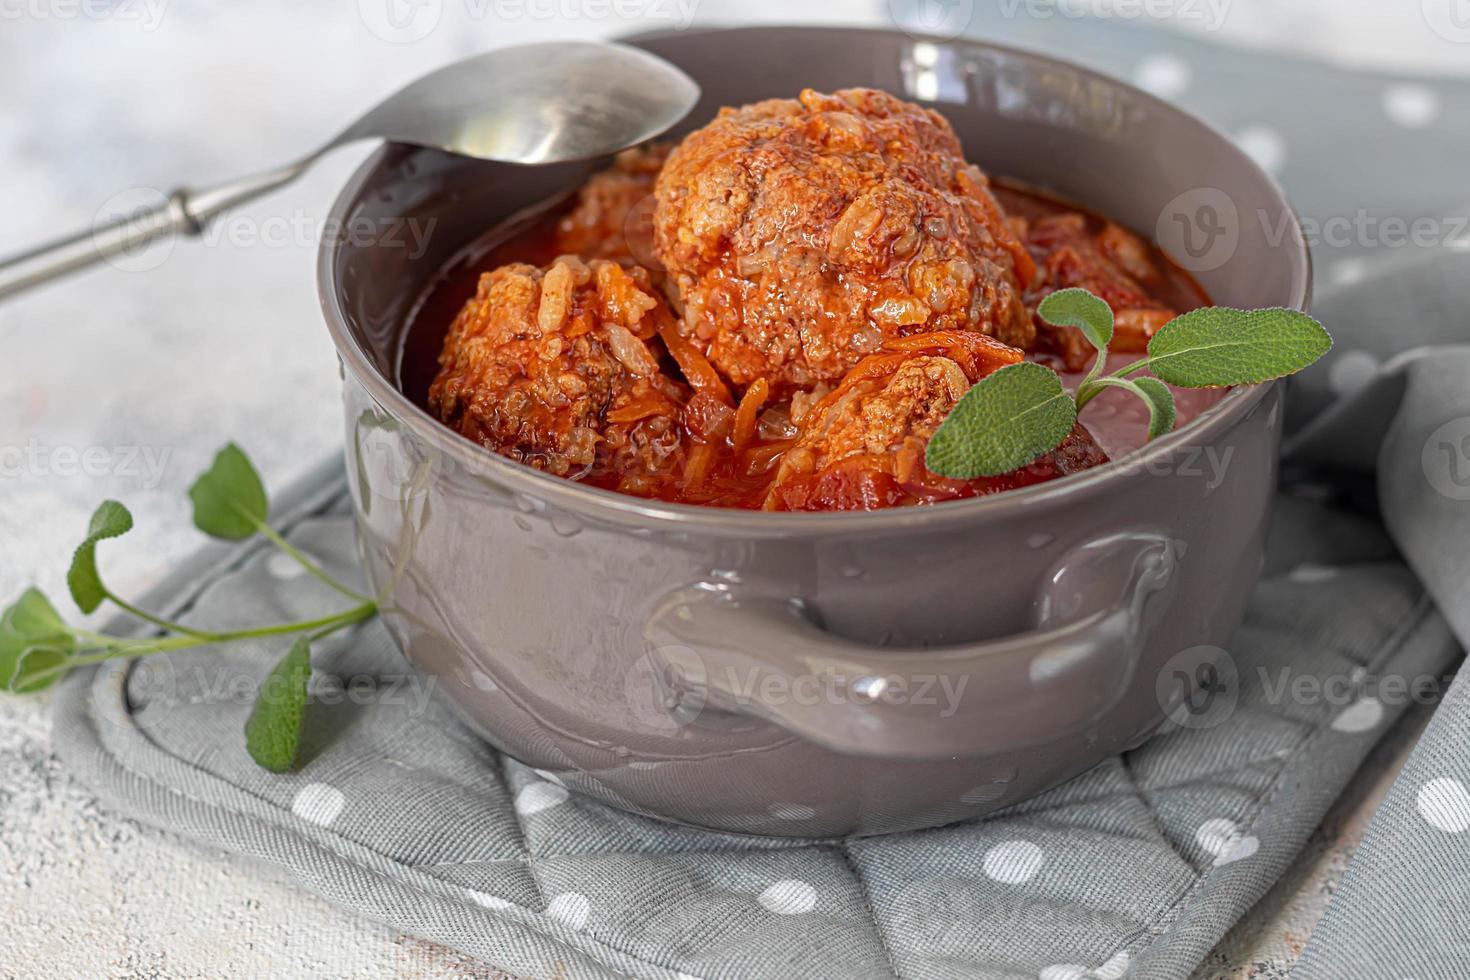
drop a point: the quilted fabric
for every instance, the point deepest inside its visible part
(1134, 869)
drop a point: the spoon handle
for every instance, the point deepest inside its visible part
(186, 212)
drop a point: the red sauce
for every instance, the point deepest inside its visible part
(732, 468)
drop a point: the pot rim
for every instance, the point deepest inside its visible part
(599, 502)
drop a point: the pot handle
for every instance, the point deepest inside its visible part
(766, 658)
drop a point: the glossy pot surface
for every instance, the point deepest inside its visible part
(823, 674)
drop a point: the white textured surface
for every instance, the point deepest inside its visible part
(144, 374)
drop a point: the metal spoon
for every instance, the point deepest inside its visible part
(539, 103)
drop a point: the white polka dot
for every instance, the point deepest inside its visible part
(490, 901)
(1351, 370)
(1263, 145)
(1165, 75)
(1240, 850)
(483, 681)
(539, 796)
(1411, 106)
(318, 803)
(1445, 803)
(789, 897)
(1310, 572)
(1217, 836)
(1345, 272)
(1113, 969)
(570, 909)
(283, 566)
(685, 976)
(1362, 716)
(1013, 862)
(791, 811)
(1063, 971)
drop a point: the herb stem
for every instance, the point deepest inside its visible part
(158, 621)
(115, 647)
(1128, 369)
(315, 570)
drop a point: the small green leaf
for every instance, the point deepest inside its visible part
(1156, 395)
(273, 731)
(1216, 347)
(1005, 421)
(110, 520)
(19, 676)
(229, 499)
(1161, 411)
(1081, 309)
(33, 637)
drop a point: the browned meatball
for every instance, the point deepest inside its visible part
(862, 446)
(803, 233)
(552, 367)
(613, 216)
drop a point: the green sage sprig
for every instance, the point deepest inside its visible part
(1021, 412)
(38, 647)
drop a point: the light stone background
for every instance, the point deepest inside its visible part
(123, 382)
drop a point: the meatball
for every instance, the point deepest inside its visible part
(552, 367)
(862, 446)
(802, 233)
(1113, 264)
(613, 215)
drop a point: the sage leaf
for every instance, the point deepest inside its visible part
(1162, 412)
(1006, 420)
(273, 730)
(229, 498)
(1081, 309)
(1217, 347)
(110, 520)
(33, 637)
(18, 674)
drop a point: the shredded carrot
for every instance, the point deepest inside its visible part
(641, 408)
(699, 372)
(701, 454)
(746, 415)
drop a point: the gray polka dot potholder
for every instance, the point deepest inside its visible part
(1135, 869)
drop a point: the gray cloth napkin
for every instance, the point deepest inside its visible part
(1134, 869)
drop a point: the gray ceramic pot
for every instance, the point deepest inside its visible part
(826, 674)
